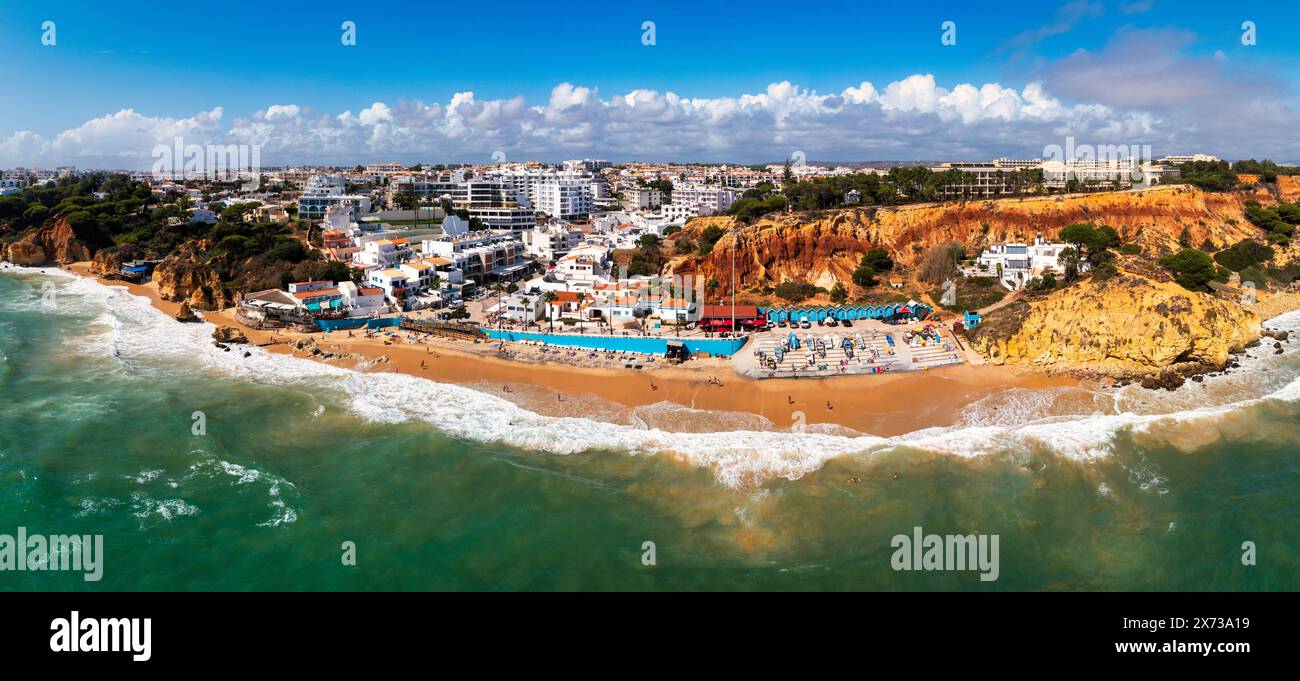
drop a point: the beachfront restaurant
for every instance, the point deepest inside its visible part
(728, 317)
(895, 313)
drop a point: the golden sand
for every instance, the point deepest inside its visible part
(883, 404)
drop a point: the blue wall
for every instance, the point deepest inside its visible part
(658, 346)
(331, 325)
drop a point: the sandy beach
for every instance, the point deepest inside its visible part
(886, 405)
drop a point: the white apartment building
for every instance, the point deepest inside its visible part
(642, 198)
(391, 281)
(1192, 158)
(511, 217)
(426, 186)
(383, 253)
(1124, 172)
(324, 191)
(362, 301)
(551, 242)
(421, 274)
(986, 178)
(481, 255)
(520, 308)
(698, 199)
(324, 185)
(585, 265)
(567, 200)
(314, 207)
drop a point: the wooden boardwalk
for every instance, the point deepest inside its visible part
(444, 329)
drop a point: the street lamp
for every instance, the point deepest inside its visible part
(733, 280)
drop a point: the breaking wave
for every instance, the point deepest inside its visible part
(741, 449)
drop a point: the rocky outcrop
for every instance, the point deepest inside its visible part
(229, 335)
(53, 244)
(185, 314)
(825, 247)
(110, 260)
(1132, 325)
(1288, 188)
(312, 349)
(182, 277)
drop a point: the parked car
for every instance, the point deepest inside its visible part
(805, 324)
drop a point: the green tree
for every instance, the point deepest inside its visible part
(878, 259)
(550, 299)
(1192, 269)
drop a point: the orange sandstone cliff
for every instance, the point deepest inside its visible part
(825, 246)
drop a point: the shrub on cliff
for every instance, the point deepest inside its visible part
(1091, 241)
(1214, 176)
(1192, 269)
(708, 237)
(796, 291)
(1248, 253)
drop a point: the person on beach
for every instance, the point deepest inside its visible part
(789, 399)
(828, 405)
(653, 386)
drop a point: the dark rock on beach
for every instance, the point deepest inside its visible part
(229, 334)
(185, 314)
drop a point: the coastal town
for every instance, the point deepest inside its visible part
(649, 297)
(590, 263)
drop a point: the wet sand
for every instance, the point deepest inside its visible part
(885, 405)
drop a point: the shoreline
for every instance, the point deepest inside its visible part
(885, 405)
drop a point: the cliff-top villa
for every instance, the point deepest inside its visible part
(1016, 264)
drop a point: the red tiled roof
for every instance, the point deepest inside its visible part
(725, 311)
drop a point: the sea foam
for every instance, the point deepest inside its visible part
(739, 457)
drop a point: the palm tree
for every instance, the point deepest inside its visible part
(581, 297)
(500, 289)
(550, 298)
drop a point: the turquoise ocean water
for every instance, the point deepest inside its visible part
(447, 487)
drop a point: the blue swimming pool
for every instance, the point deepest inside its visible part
(724, 347)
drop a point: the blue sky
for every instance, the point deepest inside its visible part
(169, 62)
